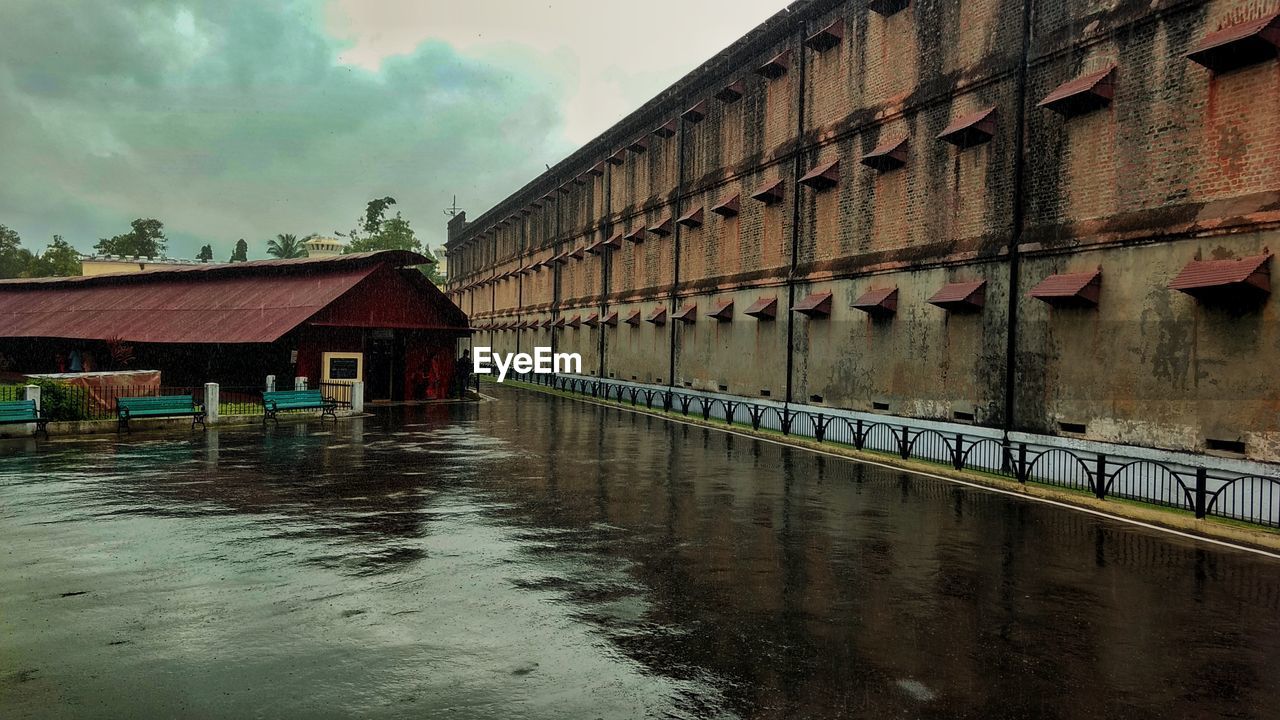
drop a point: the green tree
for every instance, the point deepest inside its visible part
(15, 260)
(432, 271)
(241, 252)
(286, 246)
(146, 239)
(374, 212)
(59, 259)
(378, 232)
(206, 253)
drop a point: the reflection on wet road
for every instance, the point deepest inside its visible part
(538, 557)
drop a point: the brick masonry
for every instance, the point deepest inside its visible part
(1180, 165)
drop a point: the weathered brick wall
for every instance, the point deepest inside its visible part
(1179, 165)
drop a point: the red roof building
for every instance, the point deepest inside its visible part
(237, 323)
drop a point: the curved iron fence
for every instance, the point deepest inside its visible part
(1186, 485)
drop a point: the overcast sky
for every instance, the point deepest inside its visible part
(248, 118)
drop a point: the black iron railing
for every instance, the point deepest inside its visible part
(1187, 483)
(338, 391)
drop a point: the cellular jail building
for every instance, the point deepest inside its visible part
(1048, 217)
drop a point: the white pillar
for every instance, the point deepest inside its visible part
(32, 392)
(211, 403)
(271, 383)
(357, 397)
(300, 383)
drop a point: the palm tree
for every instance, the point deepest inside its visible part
(286, 246)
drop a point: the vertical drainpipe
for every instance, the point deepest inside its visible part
(606, 261)
(676, 209)
(555, 278)
(797, 173)
(1019, 213)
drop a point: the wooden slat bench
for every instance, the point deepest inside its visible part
(157, 406)
(276, 401)
(24, 412)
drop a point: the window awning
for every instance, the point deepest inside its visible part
(559, 323)
(815, 305)
(692, 218)
(732, 92)
(887, 7)
(1069, 289)
(888, 155)
(547, 323)
(961, 296)
(1214, 279)
(617, 158)
(666, 129)
(662, 228)
(575, 321)
(1082, 95)
(823, 177)
(634, 318)
(776, 66)
(611, 319)
(972, 129)
(769, 193)
(614, 241)
(696, 113)
(592, 320)
(639, 145)
(635, 236)
(657, 316)
(562, 258)
(687, 314)
(596, 247)
(597, 169)
(1239, 45)
(722, 311)
(578, 253)
(728, 206)
(764, 308)
(826, 38)
(879, 302)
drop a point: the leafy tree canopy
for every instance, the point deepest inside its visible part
(378, 232)
(58, 260)
(241, 253)
(146, 239)
(206, 253)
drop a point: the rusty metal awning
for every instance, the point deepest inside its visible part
(722, 311)
(635, 236)
(890, 154)
(776, 66)
(769, 193)
(596, 247)
(814, 305)
(823, 177)
(692, 218)
(961, 296)
(764, 308)
(611, 319)
(887, 7)
(732, 92)
(826, 38)
(578, 253)
(575, 321)
(1213, 278)
(657, 316)
(617, 158)
(592, 320)
(687, 314)
(662, 227)
(1239, 45)
(729, 206)
(1070, 289)
(972, 129)
(1082, 95)
(696, 113)
(614, 242)
(879, 302)
(634, 318)
(666, 129)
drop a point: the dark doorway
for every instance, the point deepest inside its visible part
(382, 366)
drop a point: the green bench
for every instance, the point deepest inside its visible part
(276, 401)
(157, 406)
(24, 412)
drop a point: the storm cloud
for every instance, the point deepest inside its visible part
(235, 118)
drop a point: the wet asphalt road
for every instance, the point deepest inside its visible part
(536, 557)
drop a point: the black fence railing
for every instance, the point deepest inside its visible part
(1185, 484)
(11, 393)
(340, 392)
(64, 401)
(240, 400)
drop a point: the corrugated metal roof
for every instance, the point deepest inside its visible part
(1206, 274)
(1082, 286)
(174, 309)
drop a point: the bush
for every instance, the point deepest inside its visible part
(60, 401)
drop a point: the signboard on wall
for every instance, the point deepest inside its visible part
(342, 367)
